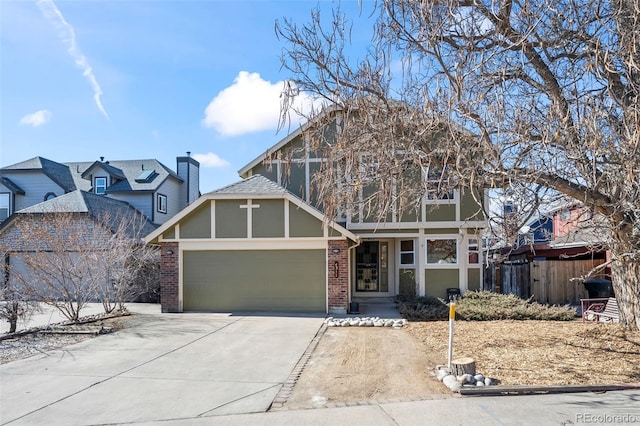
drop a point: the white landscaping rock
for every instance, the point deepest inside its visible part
(451, 382)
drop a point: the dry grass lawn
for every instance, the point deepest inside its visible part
(540, 352)
(381, 364)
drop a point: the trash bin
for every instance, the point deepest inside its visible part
(453, 292)
(354, 308)
(599, 288)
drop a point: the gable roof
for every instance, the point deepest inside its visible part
(112, 212)
(283, 142)
(57, 172)
(107, 167)
(255, 187)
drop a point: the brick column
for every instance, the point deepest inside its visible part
(169, 277)
(338, 264)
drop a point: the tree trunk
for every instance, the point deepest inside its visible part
(625, 276)
(461, 366)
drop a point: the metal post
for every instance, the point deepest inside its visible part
(452, 317)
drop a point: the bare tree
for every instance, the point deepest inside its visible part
(68, 259)
(541, 95)
(55, 259)
(15, 301)
(131, 267)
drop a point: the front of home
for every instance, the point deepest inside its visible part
(261, 244)
(253, 246)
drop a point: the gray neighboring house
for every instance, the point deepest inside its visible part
(147, 185)
(92, 220)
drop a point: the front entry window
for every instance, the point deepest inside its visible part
(372, 267)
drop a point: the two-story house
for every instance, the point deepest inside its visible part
(264, 243)
(46, 205)
(147, 185)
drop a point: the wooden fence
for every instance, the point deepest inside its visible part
(548, 281)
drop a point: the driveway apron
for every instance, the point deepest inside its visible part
(165, 366)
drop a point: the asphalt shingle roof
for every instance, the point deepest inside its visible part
(59, 173)
(129, 169)
(256, 184)
(100, 207)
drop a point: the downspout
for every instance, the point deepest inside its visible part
(357, 243)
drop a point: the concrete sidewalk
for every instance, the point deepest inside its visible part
(615, 408)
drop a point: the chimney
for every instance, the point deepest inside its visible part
(101, 159)
(188, 168)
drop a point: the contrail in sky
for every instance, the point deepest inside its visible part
(68, 37)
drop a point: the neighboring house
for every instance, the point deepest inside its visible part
(564, 244)
(44, 243)
(260, 244)
(147, 185)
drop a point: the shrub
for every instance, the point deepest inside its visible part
(483, 306)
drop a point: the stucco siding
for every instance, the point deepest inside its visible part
(198, 223)
(438, 280)
(302, 224)
(268, 219)
(231, 220)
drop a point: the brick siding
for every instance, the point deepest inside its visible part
(338, 286)
(169, 277)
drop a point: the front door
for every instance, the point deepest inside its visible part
(373, 271)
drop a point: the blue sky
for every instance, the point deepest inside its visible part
(146, 79)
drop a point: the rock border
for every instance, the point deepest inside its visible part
(456, 383)
(365, 322)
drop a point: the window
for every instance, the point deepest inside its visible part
(162, 203)
(439, 186)
(442, 251)
(100, 185)
(407, 252)
(4, 207)
(49, 196)
(474, 252)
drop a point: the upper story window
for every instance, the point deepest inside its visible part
(162, 203)
(100, 185)
(442, 251)
(407, 252)
(5, 211)
(439, 187)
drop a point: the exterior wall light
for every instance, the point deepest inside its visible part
(169, 252)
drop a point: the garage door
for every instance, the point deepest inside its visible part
(255, 280)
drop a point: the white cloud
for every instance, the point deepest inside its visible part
(210, 160)
(36, 119)
(68, 37)
(249, 105)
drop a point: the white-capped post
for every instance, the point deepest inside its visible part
(452, 317)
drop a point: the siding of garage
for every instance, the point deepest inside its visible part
(255, 280)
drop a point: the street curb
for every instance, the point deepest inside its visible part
(529, 390)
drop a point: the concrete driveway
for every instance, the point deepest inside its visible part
(166, 366)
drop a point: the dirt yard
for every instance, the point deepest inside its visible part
(364, 363)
